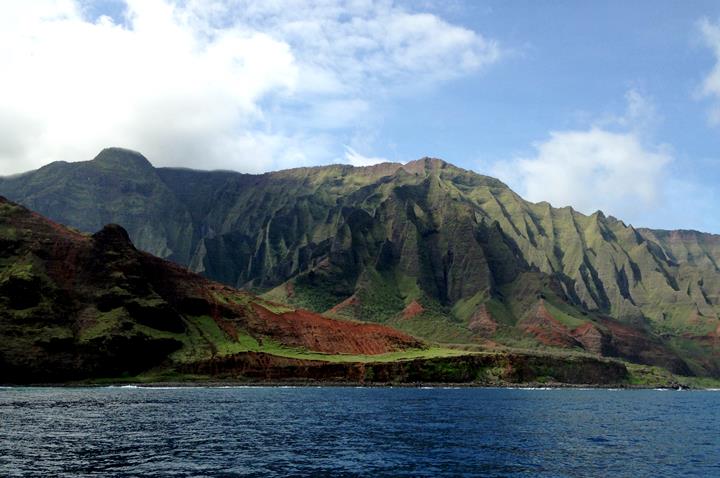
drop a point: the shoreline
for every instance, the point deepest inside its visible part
(369, 385)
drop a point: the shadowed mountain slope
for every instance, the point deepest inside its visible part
(75, 305)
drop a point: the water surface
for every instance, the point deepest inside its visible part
(266, 432)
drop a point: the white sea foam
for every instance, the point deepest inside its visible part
(537, 388)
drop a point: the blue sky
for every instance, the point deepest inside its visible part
(600, 105)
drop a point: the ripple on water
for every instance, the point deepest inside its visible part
(333, 431)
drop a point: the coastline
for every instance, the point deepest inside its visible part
(347, 384)
(502, 370)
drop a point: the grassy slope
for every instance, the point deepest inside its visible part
(204, 339)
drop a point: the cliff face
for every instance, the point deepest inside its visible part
(74, 306)
(485, 369)
(427, 247)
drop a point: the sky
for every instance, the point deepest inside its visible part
(610, 105)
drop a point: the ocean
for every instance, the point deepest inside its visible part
(347, 432)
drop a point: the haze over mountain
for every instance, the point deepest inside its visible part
(441, 252)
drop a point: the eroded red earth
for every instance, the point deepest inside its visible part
(302, 328)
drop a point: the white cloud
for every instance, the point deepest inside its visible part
(234, 84)
(592, 170)
(640, 114)
(158, 86)
(711, 84)
(357, 159)
(366, 44)
(614, 171)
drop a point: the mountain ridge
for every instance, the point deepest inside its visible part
(368, 243)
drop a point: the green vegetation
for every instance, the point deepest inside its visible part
(466, 307)
(433, 323)
(563, 317)
(379, 297)
(275, 307)
(432, 352)
(104, 324)
(17, 269)
(645, 376)
(316, 292)
(500, 312)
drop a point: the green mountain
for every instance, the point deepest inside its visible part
(76, 306)
(443, 253)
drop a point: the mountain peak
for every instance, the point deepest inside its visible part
(425, 164)
(123, 158)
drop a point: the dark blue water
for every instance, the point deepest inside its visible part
(357, 432)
